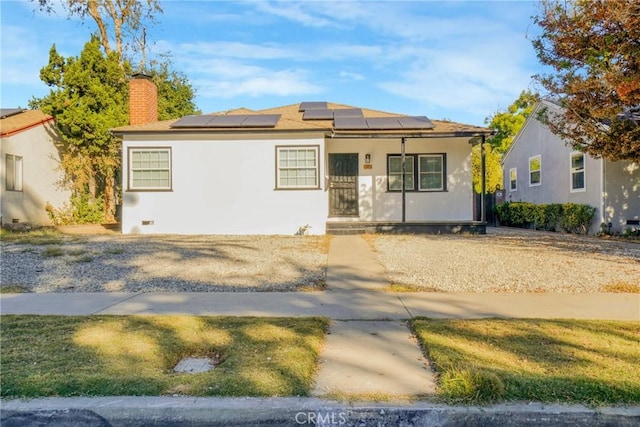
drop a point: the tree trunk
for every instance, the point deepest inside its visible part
(109, 197)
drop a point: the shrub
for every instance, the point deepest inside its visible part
(576, 218)
(572, 217)
(81, 211)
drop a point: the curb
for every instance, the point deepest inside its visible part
(174, 411)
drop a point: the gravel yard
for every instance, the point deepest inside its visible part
(165, 263)
(508, 261)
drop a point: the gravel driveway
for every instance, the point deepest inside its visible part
(508, 261)
(165, 263)
(503, 261)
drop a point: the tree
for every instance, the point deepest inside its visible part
(123, 21)
(508, 123)
(87, 99)
(493, 169)
(594, 49)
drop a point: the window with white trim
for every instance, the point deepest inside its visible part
(427, 170)
(535, 170)
(297, 167)
(513, 179)
(13, 172)
(577, 172)
(149, 169)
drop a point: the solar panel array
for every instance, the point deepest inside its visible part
(353, 118)
(382, 123)
(228, 121)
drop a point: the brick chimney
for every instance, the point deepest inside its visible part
(143, 100)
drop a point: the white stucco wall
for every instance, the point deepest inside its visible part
(41, 176)
(621, 193)
(224, 187)
(378, 204)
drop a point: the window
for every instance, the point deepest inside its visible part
(13, 171)
(150, 169)
(431, 176)
(513, 179)
(535, 169)
(427, 170)
(577, 172)
(297, 167)
(395, 173)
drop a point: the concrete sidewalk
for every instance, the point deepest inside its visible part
(369, 350)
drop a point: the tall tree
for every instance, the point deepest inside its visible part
(508, 123)
(88, 96)
(123, 22)
(594, 49)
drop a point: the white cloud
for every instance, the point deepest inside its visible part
(347, 75)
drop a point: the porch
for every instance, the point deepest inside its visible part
(408, 227)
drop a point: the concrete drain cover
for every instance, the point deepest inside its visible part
(194, 365)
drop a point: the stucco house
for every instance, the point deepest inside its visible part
(312, 167)
(540, 168)
(30, 171)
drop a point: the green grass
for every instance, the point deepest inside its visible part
(12, 289)
(590, 362)
(41, 236)
(52, 251)
(135, 355)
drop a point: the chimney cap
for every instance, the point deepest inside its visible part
(140, 76)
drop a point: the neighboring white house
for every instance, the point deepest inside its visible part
(30, 170)
(312, 168)
(540, 168)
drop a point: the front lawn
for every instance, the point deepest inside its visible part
(590, 362)
(135, 355)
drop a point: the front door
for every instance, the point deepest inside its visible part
(343, 185)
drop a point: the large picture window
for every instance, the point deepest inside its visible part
(428, 171)
(13, 172)
(577, 172)
(535, 170)
(149, 169)
(297, 167)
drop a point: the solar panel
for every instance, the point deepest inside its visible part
(304, 106)
(8, 112)
(348, 113)
(261, 120)
(231, 120)
(318, 115)
(350, 123)
(193, 121)
(416, 122)
(383, 123)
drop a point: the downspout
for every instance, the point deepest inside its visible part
(402, 156)
(483, 173)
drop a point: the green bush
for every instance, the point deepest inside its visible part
(576, 218)
(81, 211)
(571, 217)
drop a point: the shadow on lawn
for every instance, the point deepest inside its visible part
(593, 362)
(135, 355)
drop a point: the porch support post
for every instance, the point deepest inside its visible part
(402, 142)
(483, 173)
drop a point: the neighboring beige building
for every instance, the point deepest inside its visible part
(29, 167)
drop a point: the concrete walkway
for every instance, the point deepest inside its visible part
(369, 349)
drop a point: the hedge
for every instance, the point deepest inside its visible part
(570, 217)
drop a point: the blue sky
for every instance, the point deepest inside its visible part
(456, 60)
